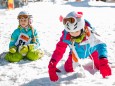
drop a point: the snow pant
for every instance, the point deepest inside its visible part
(94, 56)
(69, 67)
(16, 57)
(13, 57)
(68, 64)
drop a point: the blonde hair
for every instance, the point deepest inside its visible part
(33, 39)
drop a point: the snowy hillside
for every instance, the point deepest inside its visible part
(46, 21)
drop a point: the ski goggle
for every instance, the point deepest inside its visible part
(25, 16)
(71, 20)
(23, 19)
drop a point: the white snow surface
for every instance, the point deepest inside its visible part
(46, 20)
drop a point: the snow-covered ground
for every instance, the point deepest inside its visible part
(46, 21)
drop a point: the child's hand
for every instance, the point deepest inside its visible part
(40, 52)
(31, 46)
(23, 49)
(12, 50)
(52, 71)
(105, 70)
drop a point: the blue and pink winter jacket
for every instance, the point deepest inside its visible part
(83, 49)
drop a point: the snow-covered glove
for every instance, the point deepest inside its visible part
(104, 67)
(23, 50)
(40, 53)
(12, 49)
(31, 46)
(52, 70)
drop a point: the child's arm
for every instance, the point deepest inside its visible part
(12, 47)
(13, 39)
(57, 55)
(104, 67)
(60, 49)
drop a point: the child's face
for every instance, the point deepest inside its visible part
(74, 34)
(24, 22)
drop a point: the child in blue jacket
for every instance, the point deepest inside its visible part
(24, 41)
(83, 43)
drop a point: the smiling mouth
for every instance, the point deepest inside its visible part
(23, 24)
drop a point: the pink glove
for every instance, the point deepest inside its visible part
(105, 70)
(52, 70)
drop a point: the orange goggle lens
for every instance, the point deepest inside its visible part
(71, 20)
(25, 16)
